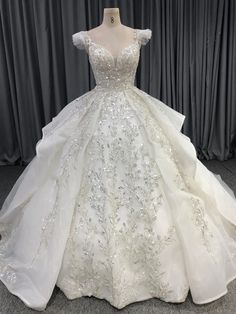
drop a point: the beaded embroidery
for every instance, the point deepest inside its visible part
(111, 74)
(123, 225)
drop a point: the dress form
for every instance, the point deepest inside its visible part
(112, 34)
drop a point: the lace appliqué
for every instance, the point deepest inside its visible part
(157, 135)
(182, 182)
(200, 221)
(7, 233)
(118, 205)
(73, 147)
(113, 72)
(7, 273)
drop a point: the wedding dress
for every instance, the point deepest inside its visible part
(115, 204)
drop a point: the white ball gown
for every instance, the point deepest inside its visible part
(115, 204)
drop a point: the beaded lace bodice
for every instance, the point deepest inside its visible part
(109, 71)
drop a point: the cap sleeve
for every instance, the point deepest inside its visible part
(78, 40)
(144, 36)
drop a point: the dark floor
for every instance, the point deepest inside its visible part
(58, 303)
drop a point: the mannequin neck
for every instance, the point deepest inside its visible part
(111, 17)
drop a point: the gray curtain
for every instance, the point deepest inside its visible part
(190, 64)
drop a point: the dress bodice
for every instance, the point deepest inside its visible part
(109, 71)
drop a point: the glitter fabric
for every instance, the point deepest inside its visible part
(115, 204)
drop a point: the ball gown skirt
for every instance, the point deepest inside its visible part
(115, 203)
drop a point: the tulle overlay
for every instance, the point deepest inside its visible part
(115, 203)
(81, 236)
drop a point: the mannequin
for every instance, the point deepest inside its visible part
(112, 34)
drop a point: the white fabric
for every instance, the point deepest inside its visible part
(115, 204)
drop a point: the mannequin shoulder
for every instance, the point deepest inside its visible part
(144, 35)
(79, 40)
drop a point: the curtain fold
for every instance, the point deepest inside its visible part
(189, 64)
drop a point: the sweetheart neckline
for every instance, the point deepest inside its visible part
(114, 59)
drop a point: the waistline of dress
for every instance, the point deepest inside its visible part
(118, 87)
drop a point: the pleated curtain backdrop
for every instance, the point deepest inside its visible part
(190, 64)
